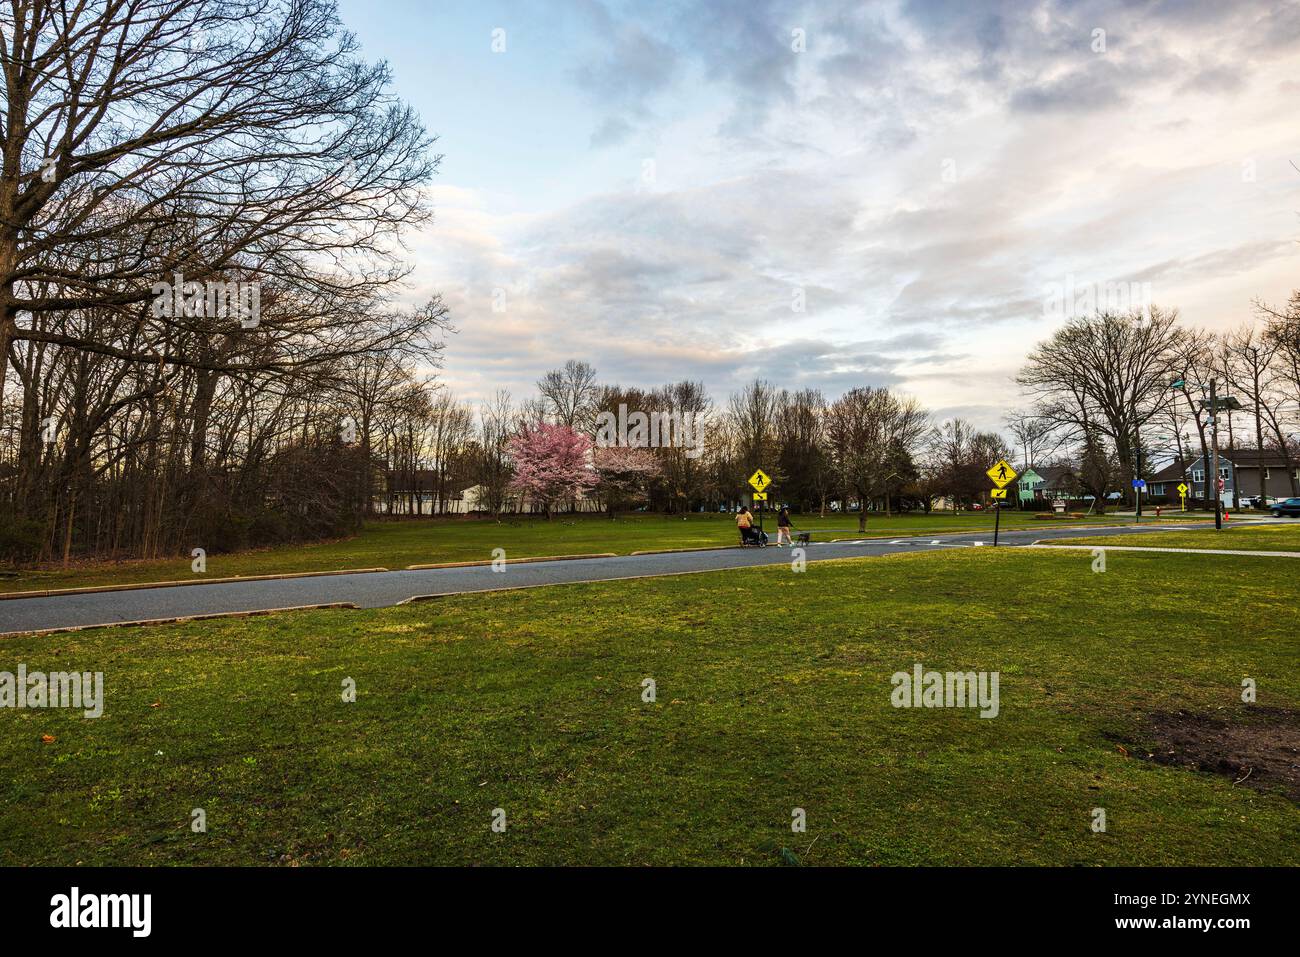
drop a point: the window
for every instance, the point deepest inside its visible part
(1223, 472)
(1267, 475)
(1198, 475)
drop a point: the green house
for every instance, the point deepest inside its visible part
(1029, 482)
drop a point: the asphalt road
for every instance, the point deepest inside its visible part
(378, 589)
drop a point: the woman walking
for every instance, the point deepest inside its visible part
(783, 526)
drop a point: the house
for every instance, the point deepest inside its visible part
(1241, 474)
(1164, 483)
(474, 498)
(1281, 478)
(420, 492)
(1057, 483)
(1028, 483)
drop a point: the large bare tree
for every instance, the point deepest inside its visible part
(214, 139)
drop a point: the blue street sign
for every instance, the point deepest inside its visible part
(1139, 483)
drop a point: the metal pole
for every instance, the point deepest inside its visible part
(1137, 462)
(1137, 491)
(1214, 442)
(997, 521)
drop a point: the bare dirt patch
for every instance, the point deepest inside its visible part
(1256, 747)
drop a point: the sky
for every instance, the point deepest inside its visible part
(835, 194)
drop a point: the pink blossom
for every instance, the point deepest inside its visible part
(552, 463)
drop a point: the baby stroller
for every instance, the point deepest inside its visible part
(753, 536)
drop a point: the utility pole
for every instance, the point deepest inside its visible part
(1213, 477)
(1259, 427)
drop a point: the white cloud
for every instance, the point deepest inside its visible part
(921, 172)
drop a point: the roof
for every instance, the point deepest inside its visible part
(1254, 458)
(1054, 476)
(1240, 458)
(1175, 470)
(426, 480)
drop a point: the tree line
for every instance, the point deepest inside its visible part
(1115, 393)
(154, 155)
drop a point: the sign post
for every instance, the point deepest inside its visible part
(1002, 475)
(760, 481)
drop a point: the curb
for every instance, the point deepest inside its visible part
(96, 589)
(1167, 550)
(177, 619)
(511, 561)
(674, 551)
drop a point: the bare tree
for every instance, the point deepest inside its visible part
(1106, 375)
(872, 435)
(213, 139)
(569, 395)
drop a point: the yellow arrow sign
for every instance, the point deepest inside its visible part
(759, 496)
(998, 493)
(1002, 473)
(759, 480)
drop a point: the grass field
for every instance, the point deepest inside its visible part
(395, 545)
(773, 693)
(1255, 538)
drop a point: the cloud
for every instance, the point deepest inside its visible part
(912, 179)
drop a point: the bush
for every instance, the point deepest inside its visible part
(21, 540)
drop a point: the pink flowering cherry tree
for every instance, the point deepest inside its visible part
(552, 464)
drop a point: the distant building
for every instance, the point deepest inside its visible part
(1241, 472)
(1050, 483)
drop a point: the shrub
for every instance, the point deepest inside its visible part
(21, 540)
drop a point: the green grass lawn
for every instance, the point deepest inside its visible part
(773, 692)
(424, 541)
(1254, 538)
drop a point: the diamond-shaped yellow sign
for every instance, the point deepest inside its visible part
(1182, 489)
(1002, 474)
(759, 480)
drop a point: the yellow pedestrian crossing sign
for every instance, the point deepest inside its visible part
(759, 496)
(759, 480)
(1182, 489)
(998, 493)
(1002, 473)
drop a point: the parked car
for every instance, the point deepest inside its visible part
(1268, 502)
(1290, 506)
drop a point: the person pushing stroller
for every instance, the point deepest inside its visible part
(749, 535)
